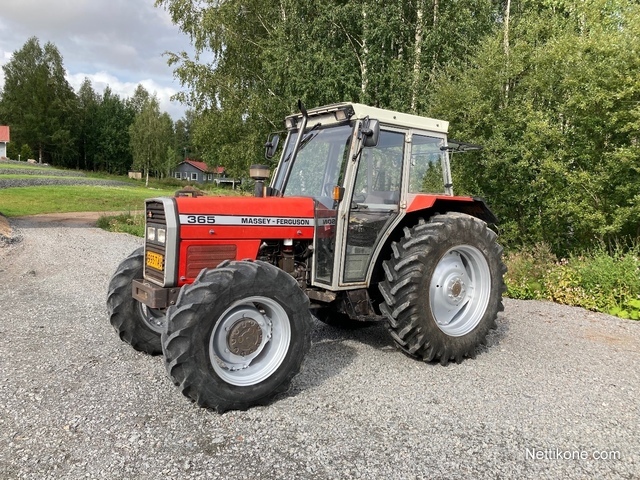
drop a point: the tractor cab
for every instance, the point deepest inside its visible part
(364, 167)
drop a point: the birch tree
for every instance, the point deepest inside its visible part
(150, 137)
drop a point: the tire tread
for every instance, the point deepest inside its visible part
(410, 328)
(184, 334)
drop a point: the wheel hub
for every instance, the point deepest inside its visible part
(456, 290)
(244, 337)
(250, 340)
(154, 317)
(459, 290)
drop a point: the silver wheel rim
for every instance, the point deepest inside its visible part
(155, 318)
(250, 341)
(459, 290)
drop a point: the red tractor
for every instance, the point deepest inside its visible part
(359, 223)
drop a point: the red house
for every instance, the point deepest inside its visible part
(196, 171)
(4, 139)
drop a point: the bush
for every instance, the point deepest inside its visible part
(526, 271)
(123, 223)
(602, 280)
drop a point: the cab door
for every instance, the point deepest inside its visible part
(374, 204)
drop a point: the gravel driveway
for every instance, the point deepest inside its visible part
(76, 402)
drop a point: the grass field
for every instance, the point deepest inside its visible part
(33, 200)
(15, 202)
(127, 199)
(21, 176)
(21, 166)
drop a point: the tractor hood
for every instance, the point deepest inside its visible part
(246, 217)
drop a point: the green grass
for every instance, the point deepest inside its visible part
(19, 201)
(33, 200)
(22, 166)
(12, 176)
(119, 178)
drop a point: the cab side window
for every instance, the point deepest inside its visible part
(379, 176)
(425, 171)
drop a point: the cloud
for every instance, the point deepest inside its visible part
(120, 42)
(4, 58)
(101, 80)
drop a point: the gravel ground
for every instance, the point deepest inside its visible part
(76, 402)
(48, 172)
(39, 171)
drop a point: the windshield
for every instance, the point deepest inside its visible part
(319, 164)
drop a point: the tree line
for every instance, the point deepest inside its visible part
(84, 130)
(549, 87)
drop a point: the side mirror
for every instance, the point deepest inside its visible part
(271, 146)
(371, 133)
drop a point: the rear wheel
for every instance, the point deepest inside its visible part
(136, 324)
(443, 287)
(237, 336)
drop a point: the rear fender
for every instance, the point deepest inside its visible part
(425, 206)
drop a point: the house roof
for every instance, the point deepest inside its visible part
(203, 167)
(4, 133)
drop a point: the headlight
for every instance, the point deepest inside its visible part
(151, 234)
(162, 235)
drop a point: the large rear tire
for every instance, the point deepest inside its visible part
(443, 287)
(237, 336)
(135, 323)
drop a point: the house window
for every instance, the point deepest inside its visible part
(185, 176)
(178, 175)
(210, 177)
(194, 176)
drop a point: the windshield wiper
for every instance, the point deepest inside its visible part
(308, 136)
(306, 139)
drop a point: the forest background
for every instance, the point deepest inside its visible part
(550, 88)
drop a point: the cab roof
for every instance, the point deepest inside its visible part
(359, 111)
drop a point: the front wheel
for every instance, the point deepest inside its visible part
(443, 287)
(237, 336)
(136, 324)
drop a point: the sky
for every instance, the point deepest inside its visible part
(119, 43)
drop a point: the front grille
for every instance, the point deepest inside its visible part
(155, 211)
(155, 217)
(207, 256)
